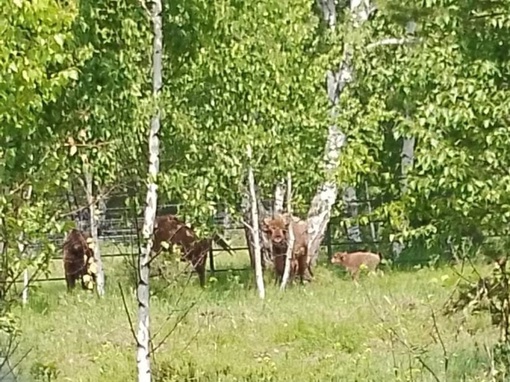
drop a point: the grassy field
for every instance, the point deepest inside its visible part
(329, 330)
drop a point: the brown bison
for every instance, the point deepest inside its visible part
(354, 260)
(170, 229)
(78, 258)
(277, 229)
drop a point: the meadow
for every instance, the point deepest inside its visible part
(387, 328)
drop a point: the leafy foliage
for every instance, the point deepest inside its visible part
(36, 65)
(247, 73)
(444, 86)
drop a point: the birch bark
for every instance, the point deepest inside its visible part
(151, 203)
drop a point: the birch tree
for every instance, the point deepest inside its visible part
(279, 197)
(405, 166)
(247, 217)
(290, 242)
(151, 202)
(336, 81)
(259, 276)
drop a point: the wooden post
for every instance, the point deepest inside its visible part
(328, 241)
(211, 258)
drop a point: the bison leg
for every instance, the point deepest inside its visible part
(70, 282)
(199, 266)
(302, 267)
(200, 269)
(279, 267)
(83, 285)
(309, 267)
(277, 278)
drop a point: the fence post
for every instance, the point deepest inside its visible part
(328, 241)
(211, 259)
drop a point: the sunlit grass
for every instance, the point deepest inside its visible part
(329, 330)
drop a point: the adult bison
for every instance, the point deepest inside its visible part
(170, 229)
(277, 230)
(78, 259)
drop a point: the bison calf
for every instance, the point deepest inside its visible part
(352, 262)
(78, 257)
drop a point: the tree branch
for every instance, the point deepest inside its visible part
(393, 41)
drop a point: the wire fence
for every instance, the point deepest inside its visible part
(118, 239)
(118, 230)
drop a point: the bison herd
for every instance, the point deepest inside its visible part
(170, 233)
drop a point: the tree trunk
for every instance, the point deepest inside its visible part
(279, 196)
(323, 201)
(351, 210)
(290, 245)
(259, 277)
(151, 203)
(101, 209)
(406, 163)
(373, 232)
(93, 222)
(265, 244)
(246, 208)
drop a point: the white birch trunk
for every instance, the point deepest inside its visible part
(22, 248)
(369, 205)
(279, 196)
(151, 203)
(407, 154)
(93, 222)
(325, 198)
(407, 160)
(351, 210)
(290, 243)
(264, 242)
(259, 276)
(24, 296)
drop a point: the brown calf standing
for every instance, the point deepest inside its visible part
(77, 256)
(354, 260)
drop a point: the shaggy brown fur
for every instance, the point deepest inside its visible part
(77, 254)
(353, 261)
(277, 229)
(175, 232)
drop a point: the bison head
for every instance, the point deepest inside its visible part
(338, 258)
(277, 229)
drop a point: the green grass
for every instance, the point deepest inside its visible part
(329, 330)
